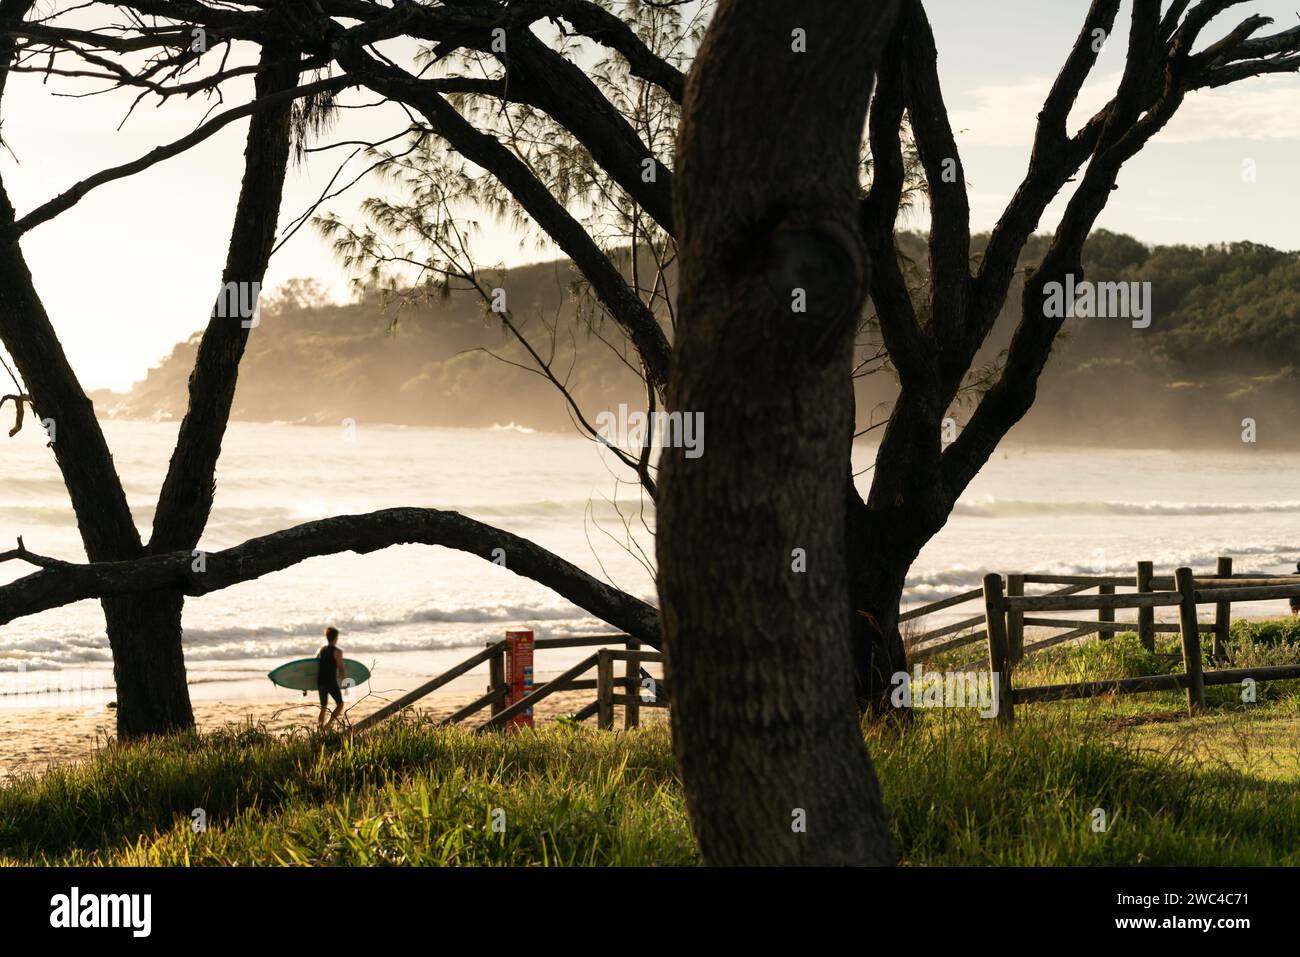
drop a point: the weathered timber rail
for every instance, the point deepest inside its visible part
(636, 694)
(1220, 591)
(1157, 591)
(1005, 612)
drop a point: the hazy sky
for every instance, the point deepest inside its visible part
(134, 268)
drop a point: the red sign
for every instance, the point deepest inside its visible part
(519, 672)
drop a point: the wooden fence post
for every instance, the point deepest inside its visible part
(497, 679)
(1146, 616)
(632, 708)
(995, 623)
(1016, 620)
(1105, 615)
(1222, 612)
(1191, 641)
(604, 690)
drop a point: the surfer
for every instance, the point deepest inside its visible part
(329, 673)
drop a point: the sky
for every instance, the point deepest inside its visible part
(135, 266)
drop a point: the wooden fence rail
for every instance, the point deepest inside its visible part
(1005, 614)
(1151, 591)
(497, 693)
(999, 608)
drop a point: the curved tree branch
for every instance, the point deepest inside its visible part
(370, 532)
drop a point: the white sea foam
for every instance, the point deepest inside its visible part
(1056, 511)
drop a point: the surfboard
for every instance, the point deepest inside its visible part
(301, 674)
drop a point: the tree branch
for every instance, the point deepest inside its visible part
(486, 151)
(58, 586)
(22, 554)
(73, 195)
(1054, 159)
(607, 29)
(946, 180)
(185, 500)
(910, 348)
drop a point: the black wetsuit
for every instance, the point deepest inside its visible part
(327, 676)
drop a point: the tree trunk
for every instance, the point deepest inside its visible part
(185, 500)
(877, 573)
(905, 509)
(152, 694)
(144, 632)
(751, 543)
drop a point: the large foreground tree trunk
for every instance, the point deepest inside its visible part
(753, 579)
(144, 632)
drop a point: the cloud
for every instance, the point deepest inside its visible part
(1263, 108)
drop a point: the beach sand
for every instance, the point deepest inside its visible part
(36, 739)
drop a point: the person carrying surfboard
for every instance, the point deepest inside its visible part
(329, 674)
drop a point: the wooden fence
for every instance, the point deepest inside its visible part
(605, 684)
(1144, 580)
(1005, 612)
(1184, 590)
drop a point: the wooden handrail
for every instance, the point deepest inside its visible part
(1151, 599)
(1077, 583)
(923, 610)
(1090, 689)
(917, 653)
(1235, 581)
(1061, 638)
(580, 641)
(428, 687)
(1221, 590)
(495, 694)
(1115, 626)
(538, 694)
(1249, 593)
(1194, 678)
(941, 604)
(638, 656)
(1084, 580)
(952, 629)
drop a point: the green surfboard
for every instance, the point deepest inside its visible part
(301, 674)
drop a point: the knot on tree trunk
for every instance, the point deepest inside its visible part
(812, 267)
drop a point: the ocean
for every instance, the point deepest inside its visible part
(412, 611)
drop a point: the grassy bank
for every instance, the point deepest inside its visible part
(1220, 789)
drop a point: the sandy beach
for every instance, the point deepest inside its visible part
(39, 738)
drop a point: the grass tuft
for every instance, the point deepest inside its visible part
(1117, 780)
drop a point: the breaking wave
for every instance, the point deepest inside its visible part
(924, 587)
(1005, 508)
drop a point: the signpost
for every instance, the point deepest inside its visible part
(519, 672)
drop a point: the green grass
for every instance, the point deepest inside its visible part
(965, 793)
(1223, 788)
(409, 794)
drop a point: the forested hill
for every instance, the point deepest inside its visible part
(1222, 346)
(410, 360)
